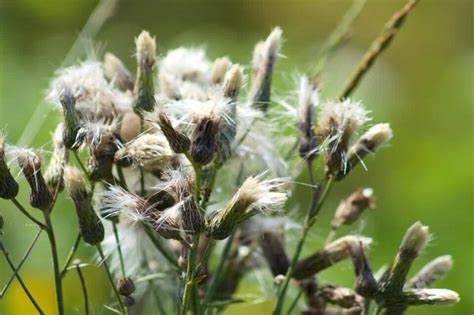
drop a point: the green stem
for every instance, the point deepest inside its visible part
(111, 279)
(295, 302)
(119, 248)
(316, 203)
(189, 279)
(142, 174)
(27, 214)
(121, 176)
(54, 254)
(20, 280)
(198, 178)
(84, 289)
(217, 274)
(71, 254)
(22, 261)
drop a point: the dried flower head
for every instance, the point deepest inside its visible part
(343, 297)
(233, 81)
(204, 138)
(90, 226)
(308, 98)
(8, 186)
(219, 70)
(429, 296)
(125, 286)
(184, 74)
(230, 91)
(144, 86)
(350, 209)
(55, 170)
(431, 272)
(338, 123)
(369, 142)
(118, 73)
(264, 58)
(365, 283)
(71, 120)
(116, 201)
(415, 239)
(101, 138)
(179, 185)
(253, 196)
(273, 247)
(161, 200)
(177, 140)
(151, 151)
(332, 253)
(30, 164)
(88, 92)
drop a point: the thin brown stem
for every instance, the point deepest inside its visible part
(377, 47)
(70, 256)
(337, 38)
(20, 264)
(20, 280)
(84, 289)
(111, 279)
(54, 254)
(27, 214)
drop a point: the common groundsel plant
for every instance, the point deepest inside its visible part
(189, 167)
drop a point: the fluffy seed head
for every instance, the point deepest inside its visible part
(233, 82)
(93, 95)
(30, 164)
(373, 139)
(90, 226)
(8, 186)
(369, 142)
(184, 74)
(151, 151)
(350, 209)
(101, 138)
(219, 70)
(338, 123)
(54, 173)
(265, 56)
(116, 201)
(179, 184)
(253, 196)
(308, 98)
(146, 49)
(116, 72)
(415, 239)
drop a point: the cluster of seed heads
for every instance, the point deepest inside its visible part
(163, 148)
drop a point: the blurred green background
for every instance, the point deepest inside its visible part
(423, 86)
